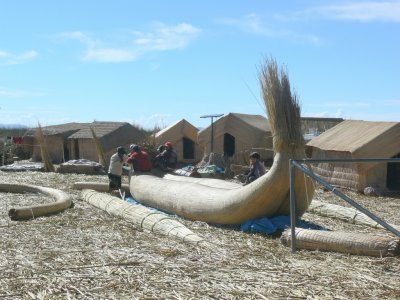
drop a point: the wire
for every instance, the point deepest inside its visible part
(255, 97)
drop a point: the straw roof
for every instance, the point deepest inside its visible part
(361, 138)
(81, 130)
(176, 130)
(58, 129)
(101, 129)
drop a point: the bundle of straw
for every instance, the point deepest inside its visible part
(48, 165)
(99, 149)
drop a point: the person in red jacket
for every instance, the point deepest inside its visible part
(140, 159)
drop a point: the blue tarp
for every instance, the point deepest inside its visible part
(272, 225)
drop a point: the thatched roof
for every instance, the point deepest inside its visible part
(176, 131)
(256, 121)
(322, 119)
(58, 129)
(101, 129)
(361, 138)
(81, 130)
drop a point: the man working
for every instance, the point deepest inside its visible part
(115, 169)
(139, 158)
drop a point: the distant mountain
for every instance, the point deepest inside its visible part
(12, 126)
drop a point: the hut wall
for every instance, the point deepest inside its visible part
(54, 146)
(177, 142)
(178, 146)
(28, 143)
(176, 133)
(243, 147)
(338, 174)
(244, 140)
(375, 177)
(348, 175)
(87, 149)
(123, 136)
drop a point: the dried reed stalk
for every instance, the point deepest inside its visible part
(99, 149)
(99, 187)
(347, 214)
(143, 217)
(48, 165)
(344, 242)
(282, 107)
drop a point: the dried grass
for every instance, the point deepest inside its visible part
(99, 149)
(84, 253)
(282, 106)
(48, 165)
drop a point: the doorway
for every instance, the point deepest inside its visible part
(229, 145)
(76, 148)
(393, 175)
(188, 148)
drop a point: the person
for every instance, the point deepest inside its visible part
(161, 148)
(257, 168)
(168, 158)
(139, 158)
(115, 169)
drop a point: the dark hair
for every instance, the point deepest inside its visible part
(121, 150)
(134, 148)
(255, 155)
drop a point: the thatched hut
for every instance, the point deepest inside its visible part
(358, 139)
(56, 141)
(75, 140)
(235, 134)
(183, 135)
(81, 144)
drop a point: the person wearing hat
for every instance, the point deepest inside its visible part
(257, 168)
(168, 158)
(115, 169)
(139, 158)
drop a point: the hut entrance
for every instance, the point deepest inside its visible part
(393, 175)
(229, 144)
(76, 148)
(66, 152)
(188, 148)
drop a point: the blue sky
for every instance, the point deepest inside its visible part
(155, 62)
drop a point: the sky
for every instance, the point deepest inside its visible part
(152, 63)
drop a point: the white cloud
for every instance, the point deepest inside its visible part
(110, 55)
(277, 25)
(167, 38)
(388, 11)
(9, 93)
(136, 44)
(268, 27)
(392, 102)
(8, 58)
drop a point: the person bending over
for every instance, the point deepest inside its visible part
(168, 158)
(115, 169)
(140, 159)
